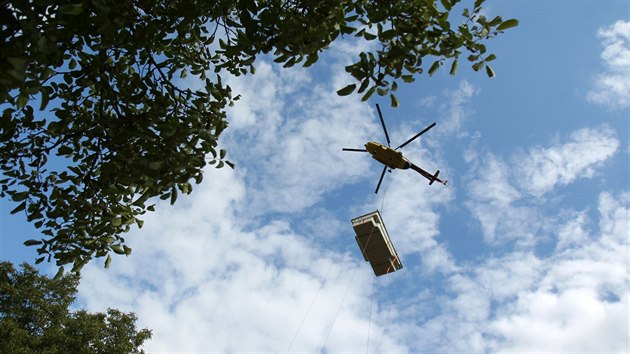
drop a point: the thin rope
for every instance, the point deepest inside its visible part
(378, 349)
(367, 350)
(368, 240)
(383, 201)
(339, 309)
(310, 307)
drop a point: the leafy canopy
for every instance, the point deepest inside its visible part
(34, 318)
(96, 120)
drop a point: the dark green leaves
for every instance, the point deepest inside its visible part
(38, 316)
(414, 31)
(453, 67)
(19, 208)
(489, 71)
(71, 9)
(32, 242)
(507, 24)
(434, 67)
(347, 90)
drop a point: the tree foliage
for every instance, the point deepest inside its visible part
(34, 318)
(96, 121)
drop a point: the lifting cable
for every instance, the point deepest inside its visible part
(346, 293)
(367, 350)
(339, 309)
(342, 300)
(310, 307)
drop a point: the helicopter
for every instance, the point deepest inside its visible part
(392, 158)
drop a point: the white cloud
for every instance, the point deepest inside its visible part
(457, 108)
(541, 169)
(612, 88)
(572, 301)
(203, 284)
(501, 193)
(580, 303)
(493, 202)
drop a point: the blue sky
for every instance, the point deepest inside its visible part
(526, 251)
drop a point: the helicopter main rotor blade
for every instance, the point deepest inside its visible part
(357, 150)
(380, 115)
(380, 180)
(416, 136)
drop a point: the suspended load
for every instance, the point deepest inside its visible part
(375, 244)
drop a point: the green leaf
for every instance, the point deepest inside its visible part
(117, 249)
(18, 63)
(117, 222)
(45, 99)
(108, 260)
(311, 59)
(19, 208)
(22, 100)
(229, 164)
(394, 100)
(477, 66)
(64, 150)
(78, 265)
(489, 71)
(347, 90)
(478, 3)
(39, 260)
(490, 57)
(368, 93)
(447, 4)
(127, 250)
(369, 36)
(434, 67)
(173, 195)
(408, 78)
(20, 196)
(32, 242)
(364, 85)
(59, 273)
(71, 9)
(140, 223)
(507, 24)
(453, 67)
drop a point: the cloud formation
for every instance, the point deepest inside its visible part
(505, 197)
(612, 88)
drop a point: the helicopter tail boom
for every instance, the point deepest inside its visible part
(432, 178)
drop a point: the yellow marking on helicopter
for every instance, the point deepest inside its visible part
(386, 155)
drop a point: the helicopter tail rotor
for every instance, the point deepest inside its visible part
(435, 177)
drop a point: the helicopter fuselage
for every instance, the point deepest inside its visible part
(387, 156)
